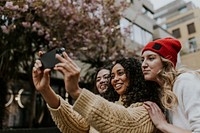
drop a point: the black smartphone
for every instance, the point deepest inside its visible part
(49, 59)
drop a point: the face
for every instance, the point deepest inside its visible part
(102, 80)
(119, 79)
(151, 65)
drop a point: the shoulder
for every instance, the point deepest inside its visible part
(187, 82)
(138, 109)
(189, 77)
(138, 104)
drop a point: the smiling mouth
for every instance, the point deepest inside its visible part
(104, 86)
(118, 86)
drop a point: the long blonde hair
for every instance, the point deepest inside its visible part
(168, 76)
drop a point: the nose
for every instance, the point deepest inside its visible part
(115, 79)
(144, 64)
(103, 80)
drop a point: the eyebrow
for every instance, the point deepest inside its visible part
(121, 69)
(103, 75)
(149, 55)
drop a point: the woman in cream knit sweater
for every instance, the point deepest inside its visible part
(93, 110)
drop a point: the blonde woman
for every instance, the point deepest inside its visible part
(180, 88)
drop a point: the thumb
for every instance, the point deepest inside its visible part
(46, 73)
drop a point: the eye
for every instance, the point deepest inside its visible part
(121, 73)
(151, 58)
(112, 76)
(142, 59)
(106, 76)
(98, 79)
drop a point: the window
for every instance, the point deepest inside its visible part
(192, 44)
(176, 33)
(134, 32)
(191, 28)
(140, 35)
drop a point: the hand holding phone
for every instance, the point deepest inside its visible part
(49, 59)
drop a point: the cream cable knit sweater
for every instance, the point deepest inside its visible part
(68, 120)
(105, 116)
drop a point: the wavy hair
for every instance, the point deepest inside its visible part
(138, 90)
(167, 76)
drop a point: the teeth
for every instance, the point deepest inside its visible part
(103, 86)
(118, 86)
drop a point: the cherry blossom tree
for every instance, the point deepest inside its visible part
(88, 29)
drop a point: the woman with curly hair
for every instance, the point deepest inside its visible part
(128, 81)
(180, 88)
(104, 116)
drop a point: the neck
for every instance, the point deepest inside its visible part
(160, 82)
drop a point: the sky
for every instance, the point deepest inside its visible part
(159, 3)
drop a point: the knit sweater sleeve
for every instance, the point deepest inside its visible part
(68, 120)
(109, 117)
(187, 89)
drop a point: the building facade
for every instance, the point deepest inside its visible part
(139, 20)
(182, 20)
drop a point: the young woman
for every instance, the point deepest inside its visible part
(128, 81)
(102, 80)
(180, 88)
(102, 84)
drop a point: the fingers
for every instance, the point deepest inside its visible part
(67, 64)
(40, 53)
(37, 66)
(146, 107)
(46, 73)
(152, 107)
(66, 59)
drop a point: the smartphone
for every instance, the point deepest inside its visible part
(49, 59)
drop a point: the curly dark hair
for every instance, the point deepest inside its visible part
(138, 90)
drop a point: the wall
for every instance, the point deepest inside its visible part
(191, 60)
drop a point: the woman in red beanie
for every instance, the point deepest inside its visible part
(180, 88)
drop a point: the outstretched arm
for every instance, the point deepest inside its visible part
(62, 113)
(160, 121)
(41, 80)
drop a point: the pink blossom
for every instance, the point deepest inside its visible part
(26, 24)
(1, 8)
(47, 36)
(40, 32)
(10, 5)
(36, 25)
(25, 8)
(5, 29)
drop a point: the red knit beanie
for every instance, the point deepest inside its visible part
(166, 47)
